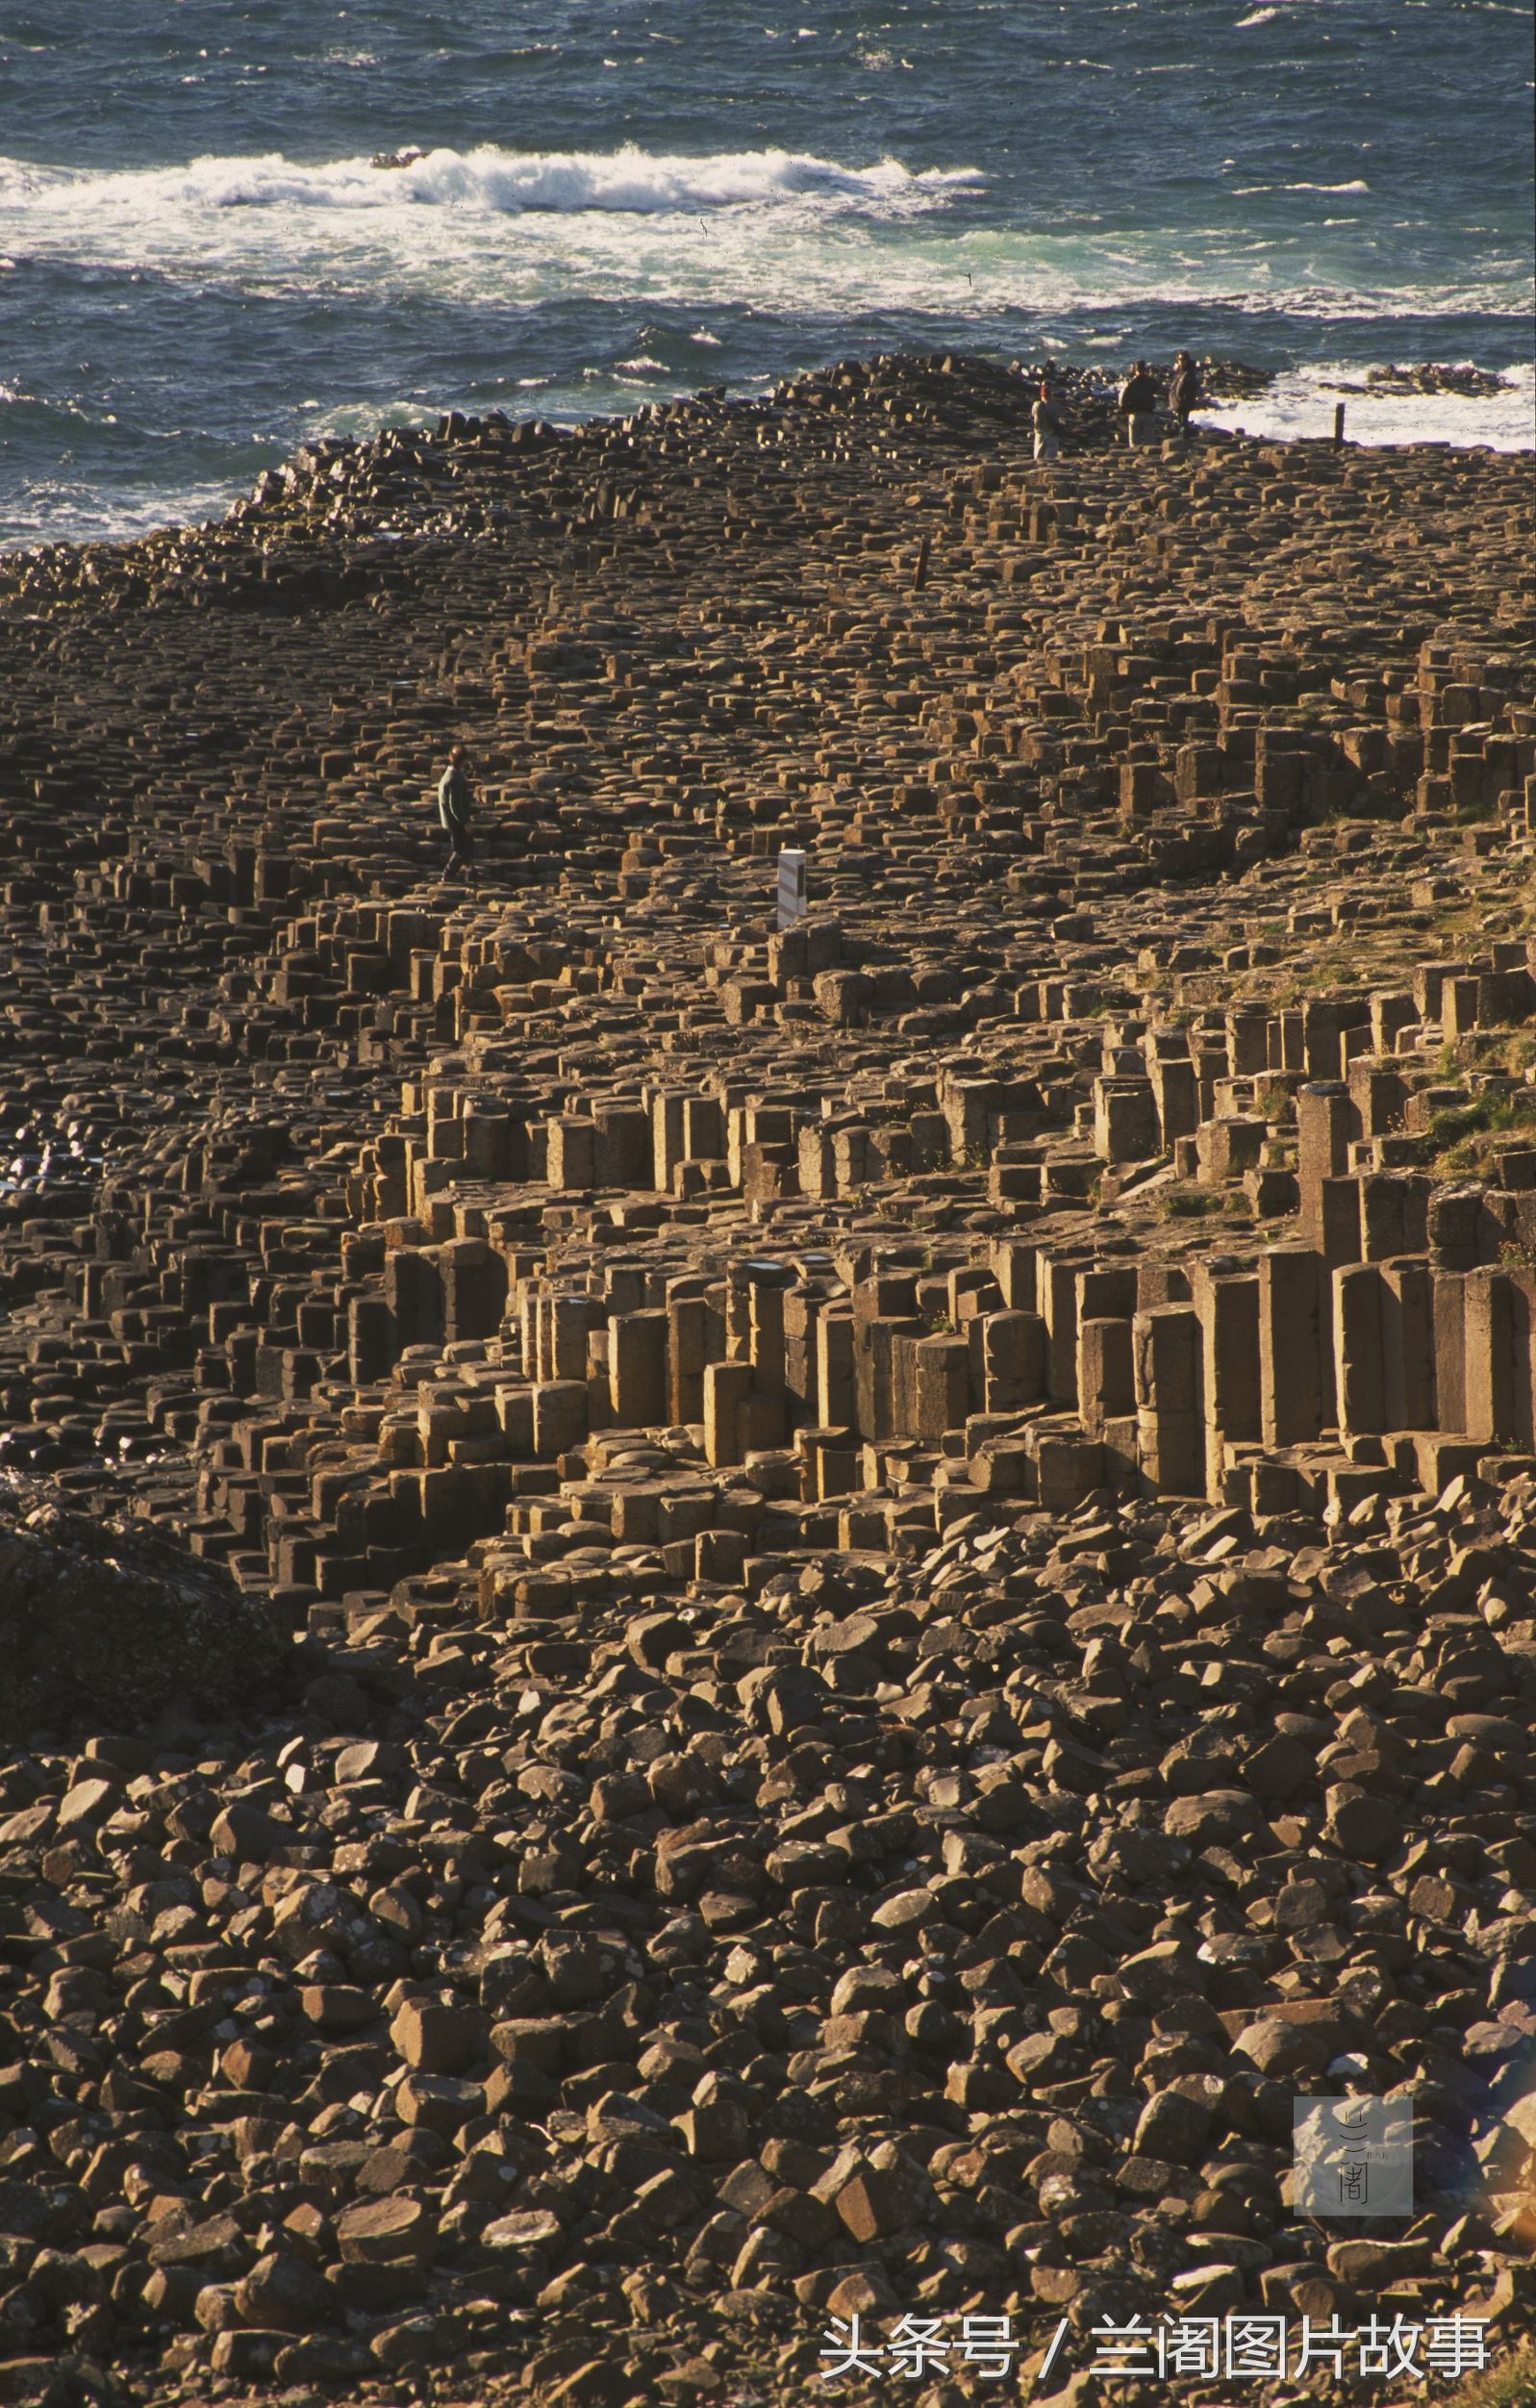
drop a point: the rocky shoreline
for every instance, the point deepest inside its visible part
(865, 1587)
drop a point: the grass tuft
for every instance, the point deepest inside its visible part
(1189, 1204)
(1511, 2384)
(1466, 1139)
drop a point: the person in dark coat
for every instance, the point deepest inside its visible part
(1137, 404)
(1184, 392)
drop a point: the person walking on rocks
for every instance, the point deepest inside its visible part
(1137, 404)
(1184, 392)
(1046, 419)
(455, 805)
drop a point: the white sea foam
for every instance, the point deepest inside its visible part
(774, 231)
(1246, 192)
(629, 181)
(45, 510)
(361, 419)
(1300, 404)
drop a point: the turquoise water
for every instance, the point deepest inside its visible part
(622, 201)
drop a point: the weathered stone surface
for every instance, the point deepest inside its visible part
(908, 1541)
(105, 1623)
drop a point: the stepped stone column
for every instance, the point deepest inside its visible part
(666, 1138)
(1408, 1345)
(1008, 1359)
(942, 1381)
(637, 1369)
(571, 1159)
(413, 1290)
(569, 1320)
(1228, 1307)
(1499, 1345)
(1247, 1040)
(1322, 1121)
(1056, 1283)
(1125, 1120)
(766, 1336)
(475, 1288)
(1170, 1427)
(837, 1388)
(1359, 1381)
(1175, 1094)
(559, 1417)
(1450, 1349)
(1295, 1377)
(1106, 1374)
(1394, 1215)
(726, 1390)
(688, 1340)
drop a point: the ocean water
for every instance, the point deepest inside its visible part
(623, 199)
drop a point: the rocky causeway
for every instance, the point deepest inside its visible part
(705, 1627)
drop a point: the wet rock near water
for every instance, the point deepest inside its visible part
(1475, 383)
(1232, 380)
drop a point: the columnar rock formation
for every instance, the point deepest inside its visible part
(906, 1536)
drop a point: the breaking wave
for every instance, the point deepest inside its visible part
(629, 181)
(497, 227)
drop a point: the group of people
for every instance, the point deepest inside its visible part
(1136, 403)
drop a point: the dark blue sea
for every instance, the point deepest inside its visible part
(621, 199)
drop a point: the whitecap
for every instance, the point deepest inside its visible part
(360, 419)
(519, 229)
(628, 181)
